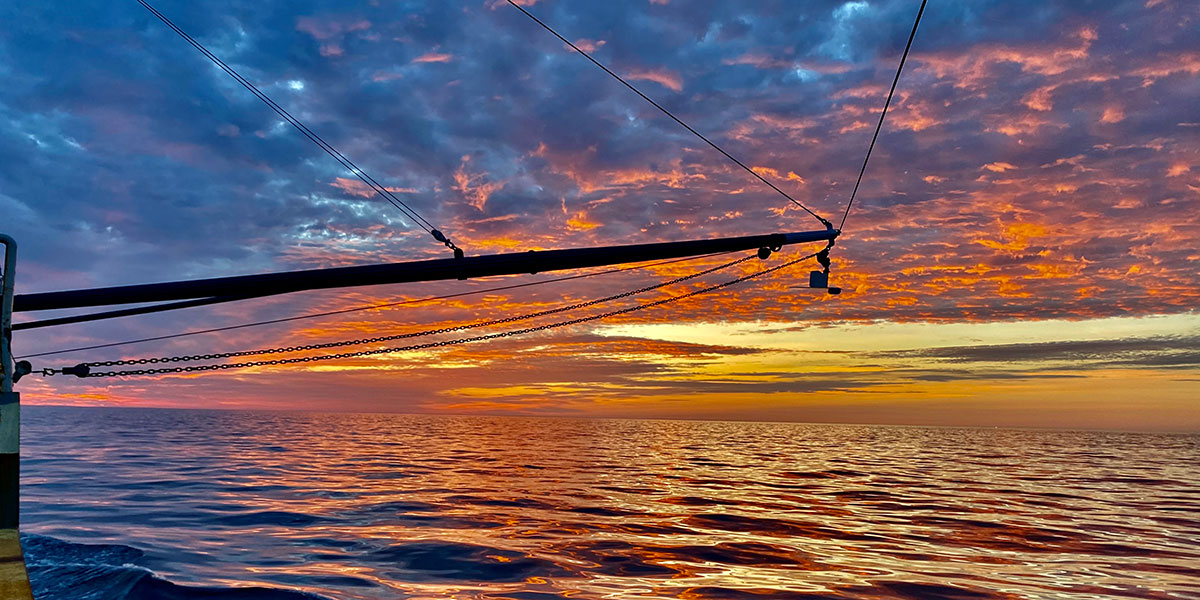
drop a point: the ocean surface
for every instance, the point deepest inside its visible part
(148, 504)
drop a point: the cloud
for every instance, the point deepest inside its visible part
(1035, 164)
(356, 187)
(1174, 351)
(662, 77)
(434, 57)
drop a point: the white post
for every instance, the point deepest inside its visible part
(10, 401)
(6, 306)
(14, 579)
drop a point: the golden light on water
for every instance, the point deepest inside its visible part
(496, 507)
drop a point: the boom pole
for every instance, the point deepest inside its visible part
(534, 261)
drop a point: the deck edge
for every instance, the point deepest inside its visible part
(14, 579)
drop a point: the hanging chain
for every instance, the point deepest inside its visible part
(440, 344)
(388, 338)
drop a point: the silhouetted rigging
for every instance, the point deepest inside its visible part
(427, 332)
(883, 113)
(84, 369)
(385, 193)
(478, 266)
(354, 308)
(669, 114)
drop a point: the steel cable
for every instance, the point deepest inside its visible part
(883, 113)
(373, 306)
(387, 338)
(439, 344)
(669, 114)
(301, 127)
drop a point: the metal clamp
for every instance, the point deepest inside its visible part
(80, 370)
(441, 237)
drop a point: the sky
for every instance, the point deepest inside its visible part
(1022, 251)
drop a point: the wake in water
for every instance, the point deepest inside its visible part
(61, 569)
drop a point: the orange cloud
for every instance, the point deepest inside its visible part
(773, 173)
(474, 187)
(971, 70)
(1112, 114)
(579, 222)
(999, 167)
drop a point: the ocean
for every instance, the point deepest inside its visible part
(125, 503)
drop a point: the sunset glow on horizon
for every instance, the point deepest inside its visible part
(1022, 252)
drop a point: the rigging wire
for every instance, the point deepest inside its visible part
(669, 114)
(401, 336)
(129, 312)
(883, 113)
(408, 211)
(373, 306)
(85, 371)
(302, 128)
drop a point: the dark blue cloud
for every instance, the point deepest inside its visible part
(126, 157)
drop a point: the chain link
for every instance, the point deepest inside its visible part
(401, 336)
(444, 343)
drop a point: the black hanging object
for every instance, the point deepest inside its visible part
(823, 258)
(80, 370)
(820, 279)
(21, 369)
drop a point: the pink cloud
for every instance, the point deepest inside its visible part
(355, 187)
(380, 76)
(587, 45)
(495, 4)
(433, 57)
(663, 77)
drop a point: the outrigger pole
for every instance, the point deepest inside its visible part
(181, 294)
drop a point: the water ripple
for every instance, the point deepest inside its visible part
(132, 504)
